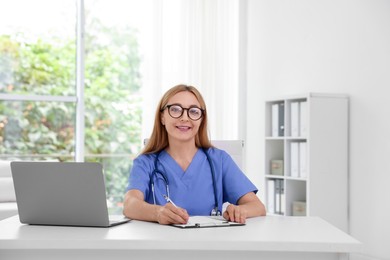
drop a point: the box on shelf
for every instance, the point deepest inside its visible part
(299, 208)
(277, 167)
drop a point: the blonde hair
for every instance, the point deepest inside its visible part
(159, 137)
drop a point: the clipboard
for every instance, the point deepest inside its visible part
(207, 222)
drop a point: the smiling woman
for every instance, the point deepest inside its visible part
(182, 126)
(180, 163)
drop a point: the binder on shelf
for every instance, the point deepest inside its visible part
(279, 197)
(281, 119)
(275, 120)
(294, 117)
(303, 118)
(294, 159)
(282, 198)
(275, 196)
(277, 117)
(271, 195)
(302, 160)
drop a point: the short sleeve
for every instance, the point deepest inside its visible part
(140, 173)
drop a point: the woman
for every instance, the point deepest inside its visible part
(175, 166)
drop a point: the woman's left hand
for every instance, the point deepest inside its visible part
(235, 213)
(247, 206)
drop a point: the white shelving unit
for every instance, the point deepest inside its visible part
(320, 180)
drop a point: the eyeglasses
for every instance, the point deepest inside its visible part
(176, 111)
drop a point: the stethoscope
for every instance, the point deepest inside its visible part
(215, 211)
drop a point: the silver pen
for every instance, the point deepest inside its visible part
(170, 201)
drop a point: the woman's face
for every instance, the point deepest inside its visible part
(182, 128)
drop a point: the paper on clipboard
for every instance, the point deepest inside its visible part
(207, 221)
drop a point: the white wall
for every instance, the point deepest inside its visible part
(340, 46)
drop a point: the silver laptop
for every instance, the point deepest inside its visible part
(62, 193)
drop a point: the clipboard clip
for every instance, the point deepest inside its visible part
(211, 224)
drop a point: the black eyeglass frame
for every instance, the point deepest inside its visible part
(182, 111)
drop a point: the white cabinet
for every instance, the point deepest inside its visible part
(306, 157)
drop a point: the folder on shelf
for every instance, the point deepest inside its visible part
(281, 120)
(271, 196)
(303, 118)
(277, 117)
(302, 160)
(275, 196)
(294, 159)
(275, 120)
(282, 198)
(279, 196)
(294, 117)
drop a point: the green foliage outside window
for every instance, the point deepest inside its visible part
(112, 100)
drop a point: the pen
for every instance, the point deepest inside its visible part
(170, 201)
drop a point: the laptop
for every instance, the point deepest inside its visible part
(62, 193)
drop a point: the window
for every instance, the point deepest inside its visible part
(78, 77)
(37, 80)
(39, 92)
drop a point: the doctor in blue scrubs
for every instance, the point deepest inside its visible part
(180, 174)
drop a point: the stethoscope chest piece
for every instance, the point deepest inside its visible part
(215, 212)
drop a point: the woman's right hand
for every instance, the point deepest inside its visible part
(169, 214)
(135, 207)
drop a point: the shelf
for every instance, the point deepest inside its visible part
(271, 176)
(314, 155)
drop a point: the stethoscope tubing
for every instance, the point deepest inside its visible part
(156, 171)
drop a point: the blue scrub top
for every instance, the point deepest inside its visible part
(191, 189)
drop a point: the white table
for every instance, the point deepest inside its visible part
(261, 238)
